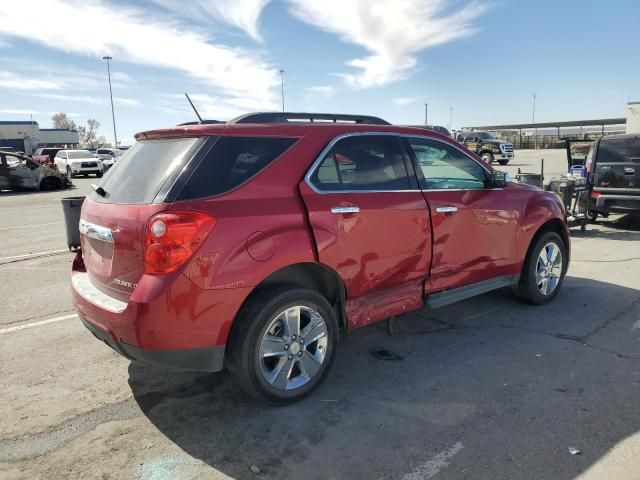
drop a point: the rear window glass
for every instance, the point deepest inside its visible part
(613, 150)
(141, 172)
(231, 162)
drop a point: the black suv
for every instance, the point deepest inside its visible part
(613, 172)
(487, 146)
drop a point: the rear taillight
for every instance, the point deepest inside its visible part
(595, 194)
(171, 238)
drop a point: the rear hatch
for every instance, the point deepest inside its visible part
(617, 165)
(114, 217)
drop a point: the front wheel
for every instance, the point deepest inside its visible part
(69, 173)
(283, 344)
(543, 270)
(487, 157)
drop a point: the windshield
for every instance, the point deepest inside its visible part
(485, 136)
(80, 154)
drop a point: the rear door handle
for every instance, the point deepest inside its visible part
(447, 209)
(342, 210)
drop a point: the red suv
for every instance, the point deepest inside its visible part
(251, 244)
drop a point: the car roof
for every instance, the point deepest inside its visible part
(75, 150)
(291, 129)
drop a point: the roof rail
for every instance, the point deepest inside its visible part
(203, 122)
(289, 117)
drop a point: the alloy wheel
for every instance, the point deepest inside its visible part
(549, 268)
(293, 348)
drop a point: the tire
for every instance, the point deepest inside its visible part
(49, 183)
(280, 378)
(592, 216)
(70, 173)
(531, 286)
(99, 175)
(487, 157)
(503, 162)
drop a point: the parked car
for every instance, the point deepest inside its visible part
(613, 175)
(109, 156)
(487, 146)
(78, 162)
(18, 172)
(45, 156)
(251, 244)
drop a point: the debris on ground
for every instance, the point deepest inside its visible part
(255, 469)
(574, 451)
(385, 354)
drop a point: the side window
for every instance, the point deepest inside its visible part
(13, 162)
(231, 162)
(363, 162)
(445, 167)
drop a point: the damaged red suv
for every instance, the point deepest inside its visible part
(251, 244)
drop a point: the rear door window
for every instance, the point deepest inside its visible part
(231, 162)
(363, 163)
(139, 175)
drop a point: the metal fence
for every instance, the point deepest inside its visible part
(522, 142)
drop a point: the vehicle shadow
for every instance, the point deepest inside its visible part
(509, 386)
(624, 227)
(20, 193)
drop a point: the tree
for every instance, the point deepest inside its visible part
(61, 120)
(89, 134)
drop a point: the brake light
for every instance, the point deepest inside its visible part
(173, 237)
(595, 194)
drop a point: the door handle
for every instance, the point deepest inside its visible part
(342, 210)
(446, 209)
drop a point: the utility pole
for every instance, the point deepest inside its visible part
(535, 131)
(282, 86)
(426, 114)
(450, 118)
(113, 115)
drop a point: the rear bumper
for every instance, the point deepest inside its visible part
(616, 203)
(207, 359)
(167, 320)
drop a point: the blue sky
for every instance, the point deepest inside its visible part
(485, 59)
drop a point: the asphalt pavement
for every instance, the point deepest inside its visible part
(486, 389)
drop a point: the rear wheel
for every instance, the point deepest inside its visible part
(487, 157)
(283, 344)
(543, 270)
(49, 183)
(99, 174)
(592, 216)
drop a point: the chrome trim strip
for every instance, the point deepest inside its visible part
(327, 149)
(83, 286)
(96, 232)
(446, 209)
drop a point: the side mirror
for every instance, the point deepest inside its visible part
(498, 179)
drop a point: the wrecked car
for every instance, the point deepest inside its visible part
(18, 172)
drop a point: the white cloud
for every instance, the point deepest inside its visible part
(322, 91)
(404, 101)
(13, 81)
(127, 102)
(392, 31)
(17, 111)
(136, 36)
(243, 14)
(70, 98)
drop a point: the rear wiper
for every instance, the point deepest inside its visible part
(99, 190)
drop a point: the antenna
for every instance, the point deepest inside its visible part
(194, 108)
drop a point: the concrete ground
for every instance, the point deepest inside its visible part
(486, 389)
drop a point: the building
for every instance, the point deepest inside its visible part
(26, 136)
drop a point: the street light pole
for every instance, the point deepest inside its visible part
(450, 118)
(282, 86)
(535, 131)
(426, 114)
(113, 115)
